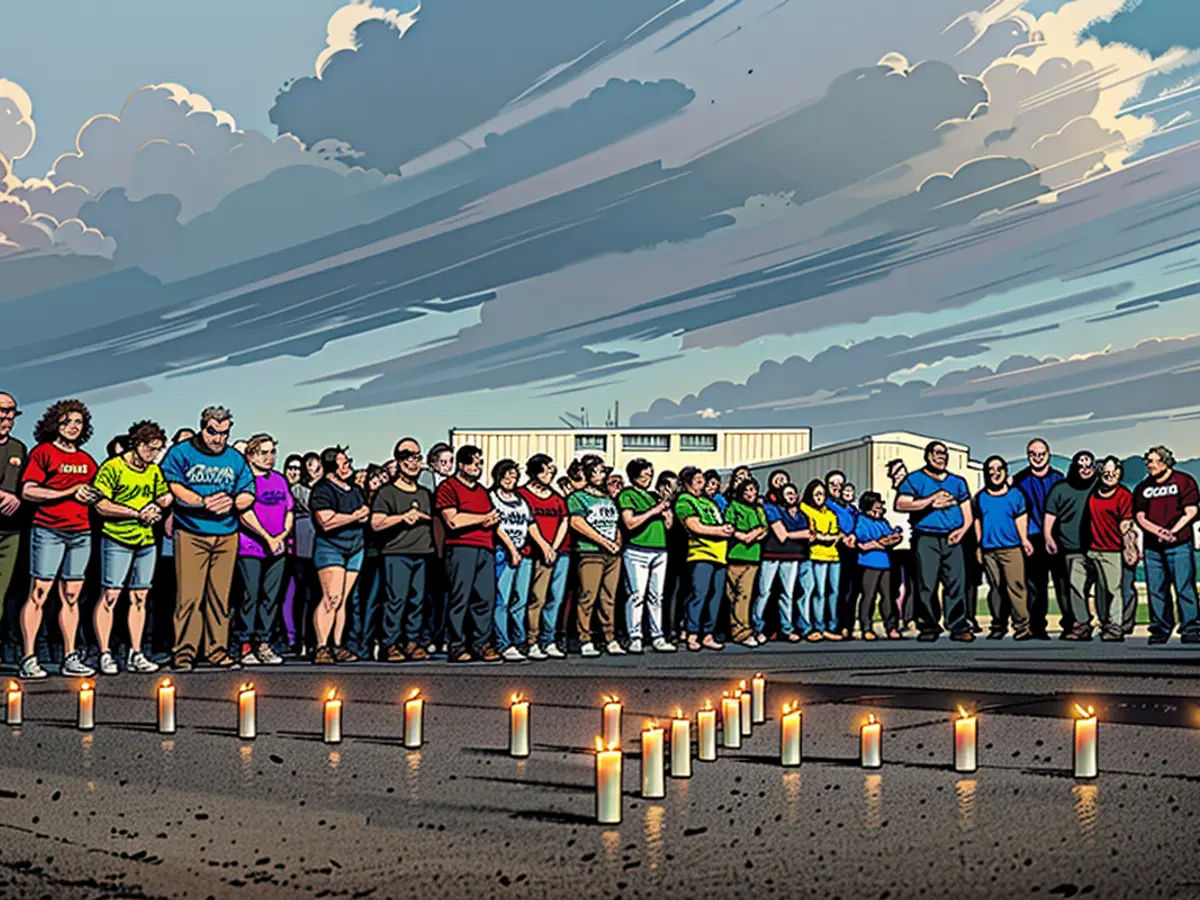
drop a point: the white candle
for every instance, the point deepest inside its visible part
(612, 721)
(608, 784)
(87, 707)
(872, 737)
(1086, 728)
(758, 690)
(333, 718)
(16, 711)
(745, 712)
(652, 762)
(681, 746)
(731, 726)
(790, 735)
(247, 713)
(706, 724)
(518, 730)
(414, 719)
(964, 742)
(166, 707)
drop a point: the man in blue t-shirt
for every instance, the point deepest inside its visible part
(212, 485)
(1035, 482)
(939, 507)
(1001, 524)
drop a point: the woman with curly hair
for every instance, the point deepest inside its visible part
(58, 480)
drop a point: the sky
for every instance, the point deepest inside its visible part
(351, 222)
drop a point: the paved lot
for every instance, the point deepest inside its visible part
(124, 813)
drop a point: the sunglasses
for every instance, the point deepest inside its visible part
(406, 455)
(212, 432)
(7, 411)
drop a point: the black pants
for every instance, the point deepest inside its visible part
(1041, 571)
(904, 576)
(365, 613)
(404, 598)
(849, 587)
(1129, 593)
(877, 582)
(262, 589)
(471, 573)
(433, 628)
(938, 561)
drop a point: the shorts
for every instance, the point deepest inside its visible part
(122, 566)
(59, 554)
(327, 555)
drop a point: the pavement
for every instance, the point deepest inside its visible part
(126, 812)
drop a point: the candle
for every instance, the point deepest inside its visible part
(758, 690)
(87, 707)
(744, 713)
(1086, 727)
(166, 707)
(790, 735)
(15, 707)
(333, 718)
(964, 742)
(247, 713)
(612, 720)
(706, 724)
(518, 730)
(681, 746)
(731, 726)
(872, 738)
(414, 719)
(608, 784)
(652, 761)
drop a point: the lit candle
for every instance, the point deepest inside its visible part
(872, 739)
(706, 725)
(414, 719)
(166, 707)
(681, 746)
(744, 714)
(87, 707)
(518, 730)
(612, 721)
(731, 726)
(333, 718)
(652, 761)
(1086, 727)
(792, 725)
(608, 784)
(15, 708)
(964, 742)
(758, 690)
(247, 713)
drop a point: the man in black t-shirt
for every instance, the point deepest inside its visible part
(12, 464)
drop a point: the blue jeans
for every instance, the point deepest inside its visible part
(512, 596)
(704, 595)
(1173, 567)
(122, 566)
(59, 554)
(795, 581)
(820, 603)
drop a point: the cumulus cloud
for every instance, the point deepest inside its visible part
(17, 129)
(341, 32)
(76, 237)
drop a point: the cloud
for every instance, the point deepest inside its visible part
(76, 237)
(341, 32)
(1155, 26)
(17, 128)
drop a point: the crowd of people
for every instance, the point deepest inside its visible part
(218, 557)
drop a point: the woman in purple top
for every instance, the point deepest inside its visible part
(262, 553)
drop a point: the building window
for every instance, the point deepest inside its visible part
(655, 442)
(704, 442)
(596, 443)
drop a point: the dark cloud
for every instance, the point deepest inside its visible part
(1154, 26)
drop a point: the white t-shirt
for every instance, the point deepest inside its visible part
(515, 518)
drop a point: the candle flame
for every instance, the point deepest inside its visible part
(166, 682)
(742, 685)
(963, 713)
(707, 703)
(599, 745)
(759, 677)
(870, 718)
(613, 699)
(650, 725)
(791, 707)
(1085, 713)
(14, 687)
(678, 713)
(86, 686)
(246, 687)
(416, 692)
(332, 695)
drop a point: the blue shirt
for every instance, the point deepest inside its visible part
(998, 519)
(1036, 490)
(847, 515)
(722, 502)
(868, 530)
(919, 485)
(206, 474)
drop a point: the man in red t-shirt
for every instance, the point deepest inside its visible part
(466, 509)
(1165, 506)
(58, 479)
(1110, 512)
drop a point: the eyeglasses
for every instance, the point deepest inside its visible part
(9, 412)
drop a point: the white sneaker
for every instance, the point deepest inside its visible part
(250, 659)
(615, 649)
(589, 650)
(536, 652)
(512, 654)
(74, 667)
(269, 657)
(137, 662)
(552, 651)
(662, 645)
(31, 669)
(108, 664)
(635, 646)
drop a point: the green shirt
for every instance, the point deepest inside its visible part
(702, 549)
(653, 534)
(121, 483)
(599, 512)
(745, 518)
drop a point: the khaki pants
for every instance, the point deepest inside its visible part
(739, 594)
(1110, 601)
(10, 544)
(204, 572)
(599, 578)
(1005, 570)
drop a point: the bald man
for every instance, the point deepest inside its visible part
(12, 464)
(1042, 569)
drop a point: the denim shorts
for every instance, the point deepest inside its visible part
(126, 567)
(59, 554)
(327, 555)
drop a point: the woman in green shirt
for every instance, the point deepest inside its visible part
(749, 524)
(708, 542)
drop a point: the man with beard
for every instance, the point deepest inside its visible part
(1036, 481)
(1165, 505)
(1065, 526)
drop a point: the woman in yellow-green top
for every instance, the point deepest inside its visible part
(708, 546)
(820, 606)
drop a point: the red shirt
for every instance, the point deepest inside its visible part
(52, 468)
(1106, 515)
(548, 513)
(1163, 504)
(453, 494)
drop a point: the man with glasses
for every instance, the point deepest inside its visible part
(12, 464)
(213, 485)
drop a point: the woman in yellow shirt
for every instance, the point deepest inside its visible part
(820, 606)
